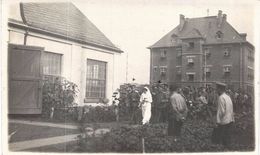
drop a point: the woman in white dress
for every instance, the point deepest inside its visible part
(145, 104)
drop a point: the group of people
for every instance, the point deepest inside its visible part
(178, 110)
(179, 102)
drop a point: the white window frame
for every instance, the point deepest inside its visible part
(227, 68)
(163, 70)
(190, 60)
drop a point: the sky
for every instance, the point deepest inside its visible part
(134, 25)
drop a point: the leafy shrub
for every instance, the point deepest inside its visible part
(98, 114)
(196, 137)
(59, 93)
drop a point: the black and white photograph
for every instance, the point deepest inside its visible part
(111, 76)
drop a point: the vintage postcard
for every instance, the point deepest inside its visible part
(128, 76)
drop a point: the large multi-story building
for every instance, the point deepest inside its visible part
(201, 51)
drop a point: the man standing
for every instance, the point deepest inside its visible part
(225, 115)
(178, 113)
(115, 98)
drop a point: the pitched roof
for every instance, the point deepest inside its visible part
(64, 19)
(205, 27)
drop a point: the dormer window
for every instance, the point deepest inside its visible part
(219, 35)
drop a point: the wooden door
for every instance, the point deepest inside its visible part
(25, 79)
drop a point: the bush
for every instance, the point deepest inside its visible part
(196, 137)
(59, 93)
(98, 114)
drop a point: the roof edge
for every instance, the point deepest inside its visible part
(21, 25)
(242, 42)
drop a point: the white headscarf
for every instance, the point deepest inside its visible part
(147, 96)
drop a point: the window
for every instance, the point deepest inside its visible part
(190, 61)
(207, 72)
(163, 70)
(163, 53)
(178, 53)
(190, 77)
(155, 68)
(178, 70)
(219, 35)
(95, 80)
(191, 45)
(227, 51)
(178, 77)
(250, 73)
(226, 69)
(52, 64)
(207, 52)
(207, 69)
(250, 55)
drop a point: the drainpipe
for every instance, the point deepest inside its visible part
(24, 21)
(25, 37)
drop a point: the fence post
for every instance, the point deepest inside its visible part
(52, 113)
(143, 145)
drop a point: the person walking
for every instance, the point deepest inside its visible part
(145, 104)
(225, 115)
(177, 114)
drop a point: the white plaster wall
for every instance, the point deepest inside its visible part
(16, 37)
(77, 72)
(56, 47)
(74, 61)
(101, 56)
(117, 72)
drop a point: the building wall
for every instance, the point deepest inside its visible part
(249, 68)
(194, 53)
(216, 61)
(174, 64)
(156, 62)
(74, 60)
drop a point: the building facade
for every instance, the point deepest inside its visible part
(201, 51)
(69, 46)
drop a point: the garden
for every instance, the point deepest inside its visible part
(126, 136)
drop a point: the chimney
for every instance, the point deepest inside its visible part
(219, 18)
(224, 17)
(243, 36)
(182, 22)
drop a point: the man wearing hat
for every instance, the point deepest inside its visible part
(225, 115)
